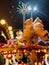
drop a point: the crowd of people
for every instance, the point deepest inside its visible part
(25, 59)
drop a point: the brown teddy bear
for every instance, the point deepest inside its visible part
(32, 31)
(39, 29)
(28, 33)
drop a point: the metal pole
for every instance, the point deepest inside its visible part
(23, 20)
(31, 13)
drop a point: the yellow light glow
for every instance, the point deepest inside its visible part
(11, 32)
(39, 63)
(9, 55)
(14, 50)
(3, 22)
(10, 28)
(3, 35)
(44, 50)
(12, 37)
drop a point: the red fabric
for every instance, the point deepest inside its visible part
(1, 44)
(22, 64)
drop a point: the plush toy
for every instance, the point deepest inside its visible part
(39, 29)
(28, 33)
(32, 31)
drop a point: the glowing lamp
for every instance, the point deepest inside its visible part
(35, 8)
(10, 28)
(29, 8)
(3, 22)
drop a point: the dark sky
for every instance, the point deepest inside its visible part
(8, 11)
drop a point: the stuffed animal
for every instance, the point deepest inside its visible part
(28, 33)
(32, 31)
(39, 29)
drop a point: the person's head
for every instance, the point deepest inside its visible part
(17, 33)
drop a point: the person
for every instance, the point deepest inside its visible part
(10, 42)
(19, 34)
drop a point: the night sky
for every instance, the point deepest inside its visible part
(8, 11)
